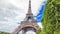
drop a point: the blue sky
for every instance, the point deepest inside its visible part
(11, 12)
(39, 15)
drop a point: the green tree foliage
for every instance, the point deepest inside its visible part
(51, 18)
(4, 33)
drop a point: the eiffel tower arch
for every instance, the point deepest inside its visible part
(28, 24)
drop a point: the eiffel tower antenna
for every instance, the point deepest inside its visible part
(29, 8)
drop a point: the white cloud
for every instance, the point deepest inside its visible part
(30, 32)
(13, 12)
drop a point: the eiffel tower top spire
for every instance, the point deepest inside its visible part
(29, 8)
(29, 15)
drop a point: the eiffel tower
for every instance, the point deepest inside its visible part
(28, 24)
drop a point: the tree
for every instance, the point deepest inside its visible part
(4, 33)
(51, 17)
